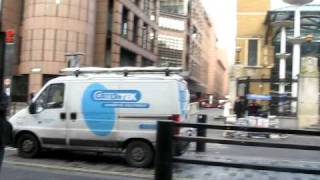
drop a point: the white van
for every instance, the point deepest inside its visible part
(103, 110)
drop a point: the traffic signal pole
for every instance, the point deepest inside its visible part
(2, 98)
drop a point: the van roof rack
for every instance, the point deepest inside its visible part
(125, 70)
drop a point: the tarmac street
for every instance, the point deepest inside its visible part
(75, 165)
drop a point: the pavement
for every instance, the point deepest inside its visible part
(114, 166)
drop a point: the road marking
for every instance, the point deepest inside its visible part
(81, 170)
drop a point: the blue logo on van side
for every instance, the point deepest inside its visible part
(116, 95)
(99, 106)
(183, 101)
(100, 120)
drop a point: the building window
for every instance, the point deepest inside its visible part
(135, 29)
(127, 58)
(146, 6)
(19, 88)
(124, 23)
(170, 50)
(110, 17)
(47, 78)
(171, 42)
(146, 62)
(137, 2)
(152, 39)
(145, 36)
(178, 7)
(170, 23)
(253, 52)
(153, 10)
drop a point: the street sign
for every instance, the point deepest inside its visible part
(261, 97)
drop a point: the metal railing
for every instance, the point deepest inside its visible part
(166, 138)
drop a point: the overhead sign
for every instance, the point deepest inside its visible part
(261, 97)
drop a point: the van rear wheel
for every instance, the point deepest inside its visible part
(28, 146)
(139, 154)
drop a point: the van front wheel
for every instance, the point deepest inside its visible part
(139, 154)
(28, 146)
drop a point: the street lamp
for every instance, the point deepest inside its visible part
(296, 48)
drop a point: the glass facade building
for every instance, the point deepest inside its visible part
(178, 7)
(310, 26)
(172, 24)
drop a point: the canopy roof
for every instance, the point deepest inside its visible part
(310, 20)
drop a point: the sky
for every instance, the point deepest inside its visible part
(223, 15)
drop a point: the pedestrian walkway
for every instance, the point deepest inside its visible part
(188, 171)
(222, 173)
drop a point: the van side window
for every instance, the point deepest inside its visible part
(52, 97)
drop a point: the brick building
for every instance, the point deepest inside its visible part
(187, 39)
(109, 33)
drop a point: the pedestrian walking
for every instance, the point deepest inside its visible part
(253, 108)
(227, 107)
(238, 108)
(5, 127)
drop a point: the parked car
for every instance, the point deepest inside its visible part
(204, 103)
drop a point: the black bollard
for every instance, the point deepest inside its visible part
(201, 132)
(164, 151)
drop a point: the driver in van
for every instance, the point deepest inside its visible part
(57, 99)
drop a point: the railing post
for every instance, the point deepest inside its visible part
(201, 132)
(164, 150)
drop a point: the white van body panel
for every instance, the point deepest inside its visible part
(105, 111)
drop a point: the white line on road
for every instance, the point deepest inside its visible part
(81, 170)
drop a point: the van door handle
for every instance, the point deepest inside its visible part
(63, 116)
(73, 116)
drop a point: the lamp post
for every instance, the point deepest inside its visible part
(3, 98)
(296, 48)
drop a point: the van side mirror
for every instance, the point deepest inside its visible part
(32, 108)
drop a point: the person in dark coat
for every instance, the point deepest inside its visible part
(238, 108)
(5, 127)
(253, 109)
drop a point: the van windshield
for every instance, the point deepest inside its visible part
(51, 98)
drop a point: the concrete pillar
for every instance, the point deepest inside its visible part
(149, 45)
(155, 42)
(35, 82)
(236, 72)
(151, 4)
(140, 31)
(101, 33)
(282, 66)
(130, 25)
(308, 101)
(138, 60)
(296, 58)
(116, 31)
